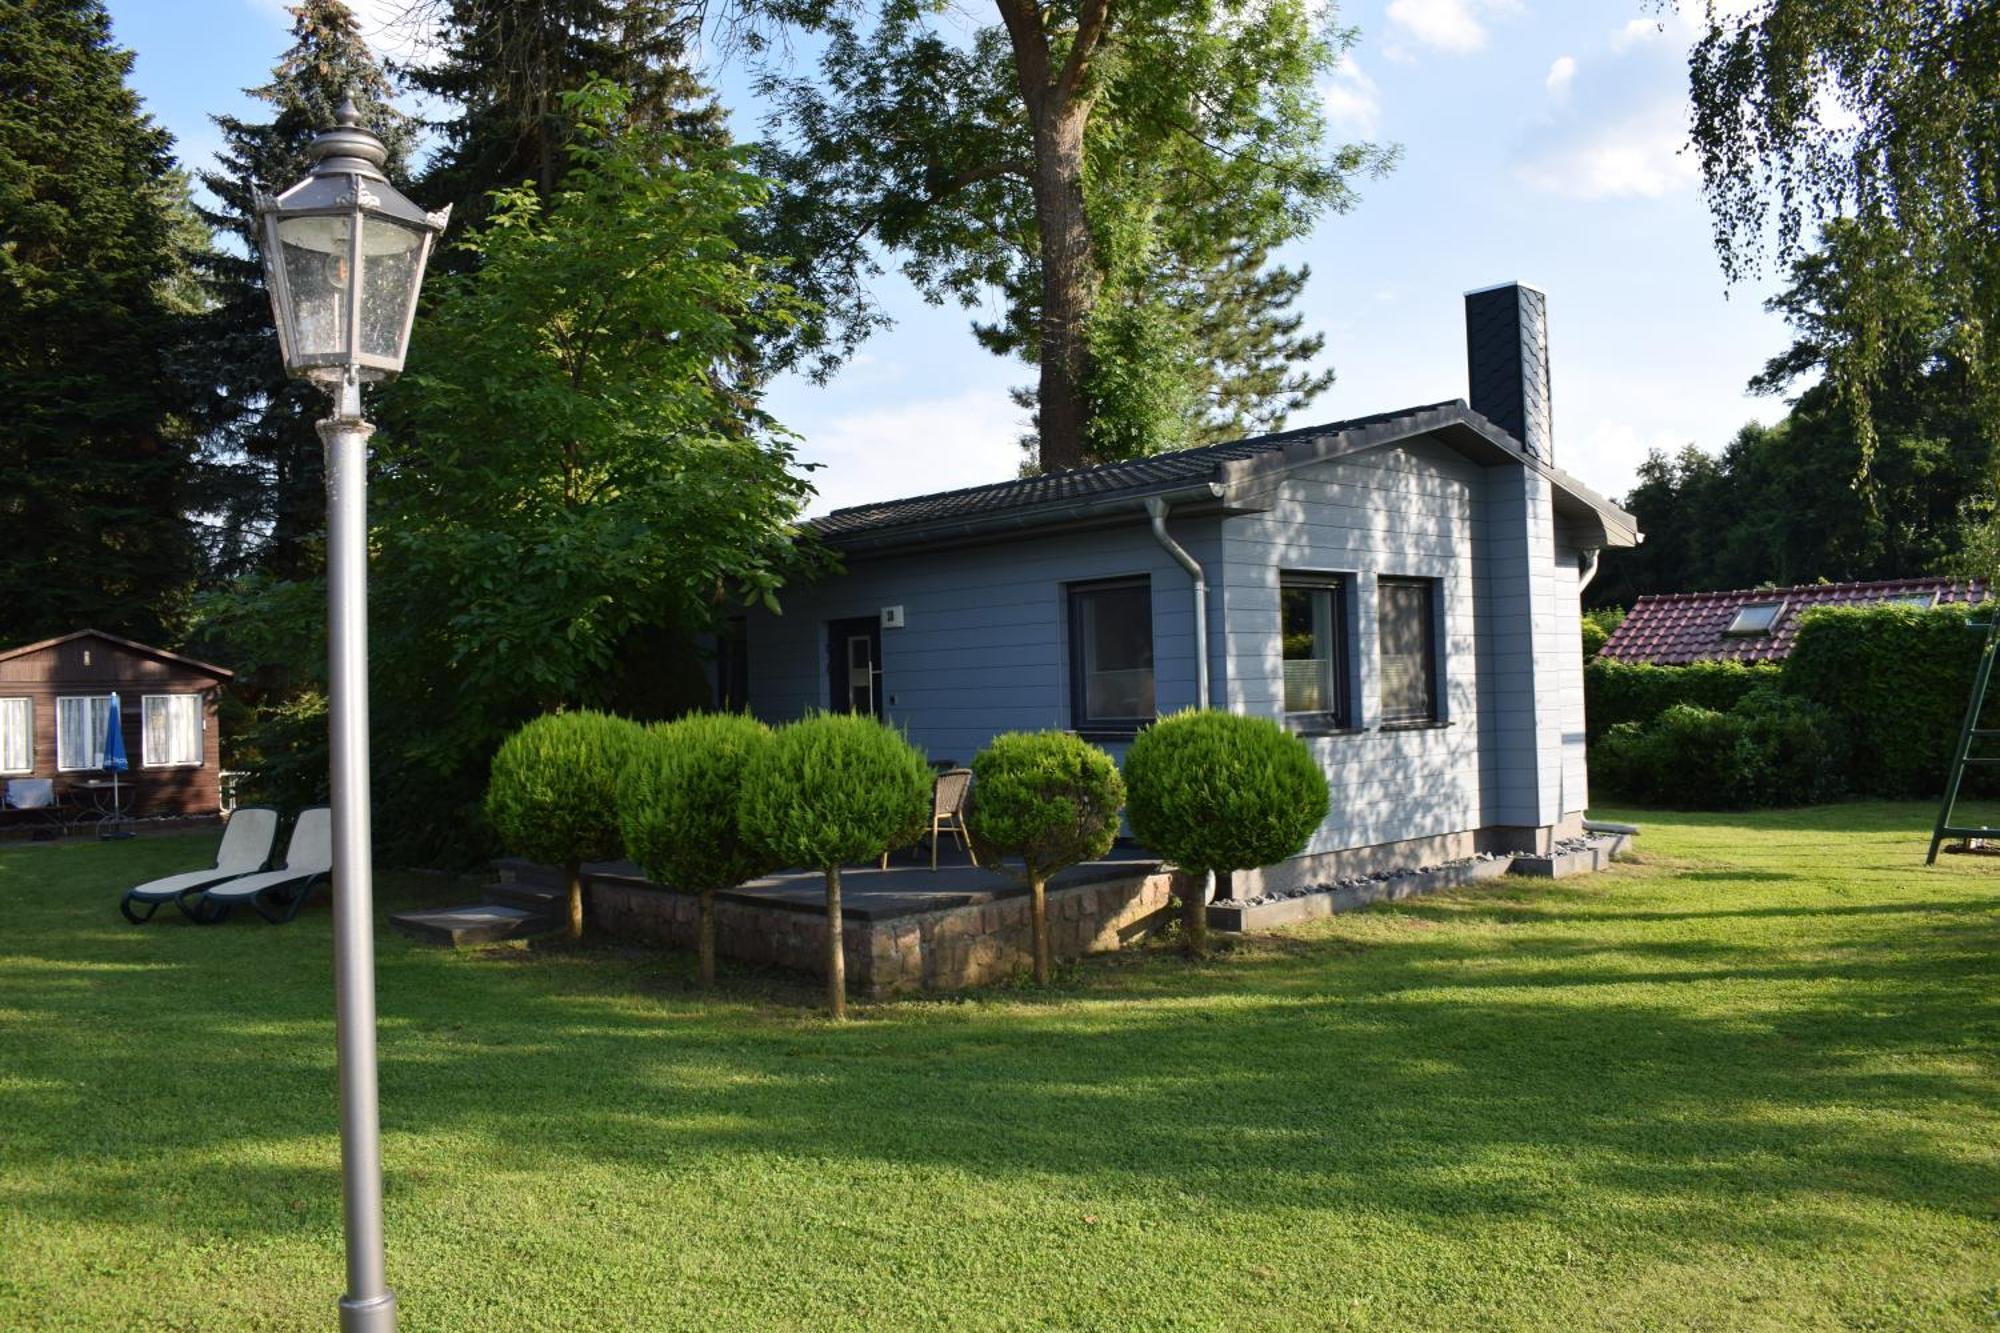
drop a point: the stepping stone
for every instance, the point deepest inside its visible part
(474, 923)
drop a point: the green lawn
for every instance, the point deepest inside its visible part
(1750, 1082)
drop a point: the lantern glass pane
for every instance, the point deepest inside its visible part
(389, 280)
(316, 257)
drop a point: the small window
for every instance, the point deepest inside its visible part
(17, 735)
(1312, 632)
(732, 666)
(1111, 655)
(1408, 638)
(173, 731)
(81, 720)
(1923, 601)
(1756, 618)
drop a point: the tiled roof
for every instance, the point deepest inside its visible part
(1671, 629)
(1140, 476)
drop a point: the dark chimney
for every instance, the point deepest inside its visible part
(1507, 357)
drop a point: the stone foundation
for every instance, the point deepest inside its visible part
(951, 949)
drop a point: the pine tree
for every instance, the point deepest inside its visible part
(95, 454)
(265, 455)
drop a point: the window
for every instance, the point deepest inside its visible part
(1404, 611)
(1111, 655)
(732, 666)
(1923, 601)
(173, 731)
(80, 723)
(1311, 627)
(1756, 618)
(17, 735)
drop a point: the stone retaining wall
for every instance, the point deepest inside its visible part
(947, 950)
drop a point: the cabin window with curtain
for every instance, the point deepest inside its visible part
(17, 735)
(80, 723)
(1407, 632)
(1111, 655)
(1313, 645)
(173, 731)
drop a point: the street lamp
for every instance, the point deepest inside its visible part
(344, 256)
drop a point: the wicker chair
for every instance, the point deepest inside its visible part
(948, 795)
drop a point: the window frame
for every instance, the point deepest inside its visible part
(732, 665)
(29, 731)
(1339, 666)
(1736, 631)
(1082, 722)
(94, 746)
(146, 759)
(1433, 715)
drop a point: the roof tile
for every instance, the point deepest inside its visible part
(1673, 629)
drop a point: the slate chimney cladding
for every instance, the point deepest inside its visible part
(1507, 360)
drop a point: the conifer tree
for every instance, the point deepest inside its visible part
(95, 453)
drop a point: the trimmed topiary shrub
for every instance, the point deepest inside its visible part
(1048, 800)
(553, 793)
(1217, 792)
(831, 790)
(678, 812)
(1615, 692)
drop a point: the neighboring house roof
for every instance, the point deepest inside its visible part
(1236, 476)
(130, 645)
(1673, 629)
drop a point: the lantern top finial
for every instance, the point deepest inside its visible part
(347, 147)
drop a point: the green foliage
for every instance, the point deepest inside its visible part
(1770, 749)
(1219, 791)
(1619, 692)
(1598, 626)
(833, 789)
(1898, 679)
(677, 807)
(1046, 798)
(553, 794)
(97, 472)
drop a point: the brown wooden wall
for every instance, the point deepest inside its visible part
(99, 666)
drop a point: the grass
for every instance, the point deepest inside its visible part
(1751, 1082)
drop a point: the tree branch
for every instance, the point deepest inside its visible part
(1031, 51)
(1090, 24)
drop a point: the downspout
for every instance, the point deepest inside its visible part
(1586, 570)
(1157, 508)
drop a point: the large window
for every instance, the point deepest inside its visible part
(1111, 655)
(1311, 626)
(173, 731)
(17, 735)
(80, 723)
(1408, 635)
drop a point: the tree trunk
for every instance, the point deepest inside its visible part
(1195, 919)
(1040, 909)
(573, 872)
(836, 956)
(1069, 286)
(705, 938)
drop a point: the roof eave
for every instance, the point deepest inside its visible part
(1095, 511)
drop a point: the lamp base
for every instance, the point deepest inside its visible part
(377, 1314)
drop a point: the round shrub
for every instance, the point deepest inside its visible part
(1049, 801)
(677, 810)
(1801, 750)
(828, 791)
(553, 793)
(1214, 791)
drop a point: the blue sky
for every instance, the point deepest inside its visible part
(1541, 142)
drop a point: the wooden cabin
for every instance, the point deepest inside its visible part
(55, 697)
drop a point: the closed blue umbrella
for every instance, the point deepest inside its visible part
(114, 761)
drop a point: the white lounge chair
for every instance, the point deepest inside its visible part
(276, 894)
(246, 846)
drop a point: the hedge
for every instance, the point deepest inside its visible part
(1615, 692)
(1897, 678)
(1770, 749)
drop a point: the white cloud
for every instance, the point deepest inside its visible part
(1637, 155)
(1561, 75)
(1352, 104)
(1456, 26)
(914, 447)
(1644, 31)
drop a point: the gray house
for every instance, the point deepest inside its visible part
(1401, 589)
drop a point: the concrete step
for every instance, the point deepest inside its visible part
(474, 923)
(528, 897)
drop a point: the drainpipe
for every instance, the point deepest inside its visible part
(1586, 569)
(1157, 508)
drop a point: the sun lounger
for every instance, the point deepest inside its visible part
(246, 846)
(276, 894)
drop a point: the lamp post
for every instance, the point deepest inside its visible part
(344, 256)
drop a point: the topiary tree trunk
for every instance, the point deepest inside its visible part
(573, 880)
(1194, 919)
(1038, 911)
(705, 938)
(836, 952)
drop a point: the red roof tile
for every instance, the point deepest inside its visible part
(1671, 629)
